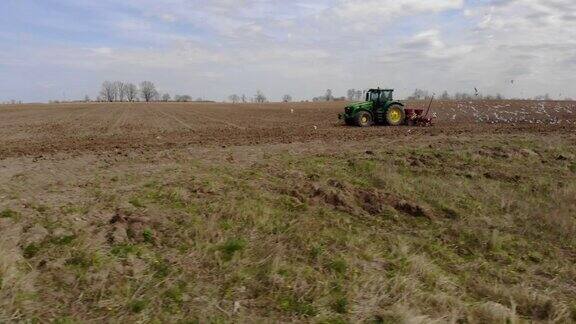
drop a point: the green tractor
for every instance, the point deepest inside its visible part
(380, 108)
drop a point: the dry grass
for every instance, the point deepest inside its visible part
(444, 230)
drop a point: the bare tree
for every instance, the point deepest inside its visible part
(234, 98)
(419, 94)
(328, 95)
(260, 97)
(148, 91)
(351, 94)
(244, 99)
(131, 92)
(108, 91)
(287, 98)
(545, 97)
(445, 95)
(120, 91)
(182, 98)
(86, 98)
(462, 96)
(166, 97)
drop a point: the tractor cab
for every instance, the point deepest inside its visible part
(379, 95)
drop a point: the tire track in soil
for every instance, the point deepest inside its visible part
(213, 119)
(178, 120)
(116, 123)
(156, 119)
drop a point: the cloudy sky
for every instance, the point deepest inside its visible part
(64, 49)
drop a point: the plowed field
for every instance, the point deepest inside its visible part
(27, 130)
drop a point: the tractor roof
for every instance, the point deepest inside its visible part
(381, 89)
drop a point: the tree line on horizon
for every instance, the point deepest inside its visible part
(259, 97)
(118, 91)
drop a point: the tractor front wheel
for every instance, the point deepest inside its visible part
(395, 116)
(363, 119)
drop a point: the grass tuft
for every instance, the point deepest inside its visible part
(148, 235)
(122, 251)
(8, 213)
(301, 307)
(338, 266)
(137, 306)
(340, 305)
(231, 247)
(31, 250)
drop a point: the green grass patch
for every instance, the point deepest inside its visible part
(73, 209)
(122, 251)
(31, 250)
(137, 306)
(148, 235)
(338, 266)
(297, 306)
(63, 240)
(8, 213)
(161, 268)
(231, 247)
(65, 320)
(136, 202)
(82, 260)
(340, 305)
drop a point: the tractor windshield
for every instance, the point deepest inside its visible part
(373, 96)
(378, 96)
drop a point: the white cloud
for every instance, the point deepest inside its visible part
(225, 46)
(168, 18)
(387, 9)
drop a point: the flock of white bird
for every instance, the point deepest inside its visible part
(539, 113)
(552, 113)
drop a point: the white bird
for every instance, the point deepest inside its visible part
(291, 111)
(315, 127)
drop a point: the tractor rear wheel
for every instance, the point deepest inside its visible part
(395, 115)
(363, 119)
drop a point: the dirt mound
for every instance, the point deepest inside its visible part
(357, 201)
(124, 227)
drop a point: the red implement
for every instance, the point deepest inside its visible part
(416, 117)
